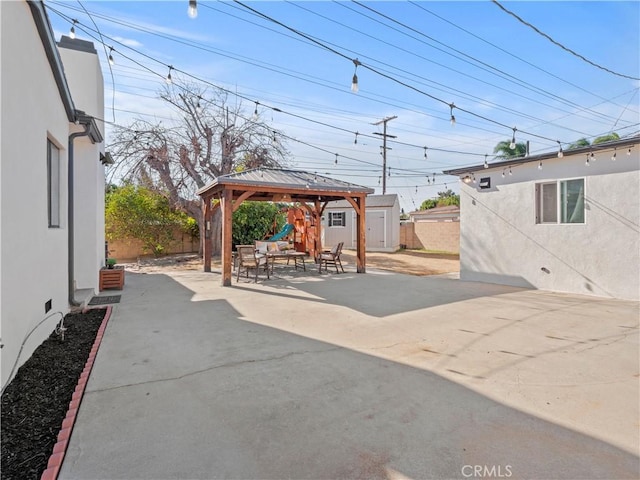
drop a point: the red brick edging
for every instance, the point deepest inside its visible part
(60, 448)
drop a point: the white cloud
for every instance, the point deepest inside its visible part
(129, 42)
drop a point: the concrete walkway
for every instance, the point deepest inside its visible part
(368, 376)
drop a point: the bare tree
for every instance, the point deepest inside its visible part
(208, 139)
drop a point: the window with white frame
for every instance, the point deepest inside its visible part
(560, 202)
(337, 219)
(53, 184)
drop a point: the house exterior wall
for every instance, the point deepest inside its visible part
(33, 257)
(382, 235)
(84, 76)
(502, 243)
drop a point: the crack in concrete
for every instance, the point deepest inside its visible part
(213, 367)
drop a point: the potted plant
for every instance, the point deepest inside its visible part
(111, 262)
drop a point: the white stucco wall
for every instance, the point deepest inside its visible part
(501, 242)
(84, 76)
(33, 256)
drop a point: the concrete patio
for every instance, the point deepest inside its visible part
(380, 375)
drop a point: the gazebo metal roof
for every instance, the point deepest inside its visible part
(298, 184)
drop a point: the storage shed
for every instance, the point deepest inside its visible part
(382, 223)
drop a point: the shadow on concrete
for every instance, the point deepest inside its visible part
(190, 389)
(370, 294)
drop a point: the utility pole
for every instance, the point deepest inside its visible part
(384, 149)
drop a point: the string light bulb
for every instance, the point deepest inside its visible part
(274, 139)
(593, 157)
(355, 142)
(615, 154)
(510, 172)
(503, 174)
(453, 118)
(354, 81)
(512, 145)
(111, 60)
(255, 112)
(540, 165)
(629, 152)
(336, 160)
(486, 164)
(72, 31)
(199, 105)
(560, 152)
(425, 153)
(473, 178)
(587, 161)
(169, 80)
(192, 11)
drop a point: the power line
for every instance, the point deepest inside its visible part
(538, 31)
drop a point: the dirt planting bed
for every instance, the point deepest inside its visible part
(36, 401)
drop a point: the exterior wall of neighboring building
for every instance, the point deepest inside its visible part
(33, 257)
(84, 76)
(382, 220)
(502, 240)
(435, 229)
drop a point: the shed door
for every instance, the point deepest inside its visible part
(376, 228)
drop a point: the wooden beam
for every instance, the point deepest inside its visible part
(206, 241)
(354, 204)
(361, 235)
(227, 222)
(241, 199)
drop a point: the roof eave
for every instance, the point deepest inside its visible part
(49, 43)
(544, 156)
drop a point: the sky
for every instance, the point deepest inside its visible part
(417, 58)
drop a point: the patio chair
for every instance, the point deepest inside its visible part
(332, 257)
(249, 259)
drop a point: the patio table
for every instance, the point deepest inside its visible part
(288, 254)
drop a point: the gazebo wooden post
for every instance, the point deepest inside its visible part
(361, 235)
(227, 222)
(206, 245)
(317, 214)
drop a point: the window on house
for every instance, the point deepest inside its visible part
(337, 219)
(560, 202)
(53, 184)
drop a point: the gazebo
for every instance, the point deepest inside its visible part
(310, 190)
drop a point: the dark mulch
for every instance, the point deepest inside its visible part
(35, 403)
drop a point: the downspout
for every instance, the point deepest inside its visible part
(70, 214)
